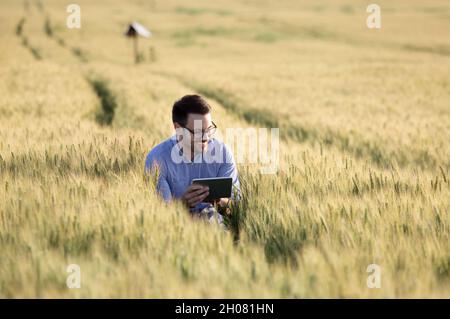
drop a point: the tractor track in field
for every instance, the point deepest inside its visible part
(77, 52)
(355, 145)
(35, 52)
(107, 97)
(49, 31)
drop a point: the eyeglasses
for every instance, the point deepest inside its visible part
(209, 132)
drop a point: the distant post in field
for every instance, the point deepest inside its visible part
(134, 31)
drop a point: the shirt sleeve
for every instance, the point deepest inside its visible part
(152, 165)
(228, 169)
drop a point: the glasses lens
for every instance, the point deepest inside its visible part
(210, 132)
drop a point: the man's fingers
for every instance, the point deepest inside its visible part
(197, 192)
(194, 187)
(198, 199)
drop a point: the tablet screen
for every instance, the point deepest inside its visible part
(218, 186)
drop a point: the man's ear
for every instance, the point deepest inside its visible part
(178, 131)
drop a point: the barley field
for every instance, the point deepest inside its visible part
(364, 163)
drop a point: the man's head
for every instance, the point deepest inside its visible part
(191, 116)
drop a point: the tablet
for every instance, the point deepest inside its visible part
(218, 186)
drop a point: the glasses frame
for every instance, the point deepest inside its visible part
(214, 126)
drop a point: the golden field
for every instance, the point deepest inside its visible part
(364, 122)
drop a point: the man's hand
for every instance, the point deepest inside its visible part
(223, 205)
(195, 194)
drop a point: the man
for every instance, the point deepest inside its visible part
(192, 153)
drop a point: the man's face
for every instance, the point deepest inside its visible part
(193, 137)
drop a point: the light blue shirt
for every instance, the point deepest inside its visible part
(176, 171)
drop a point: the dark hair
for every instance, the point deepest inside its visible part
(189, 104)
